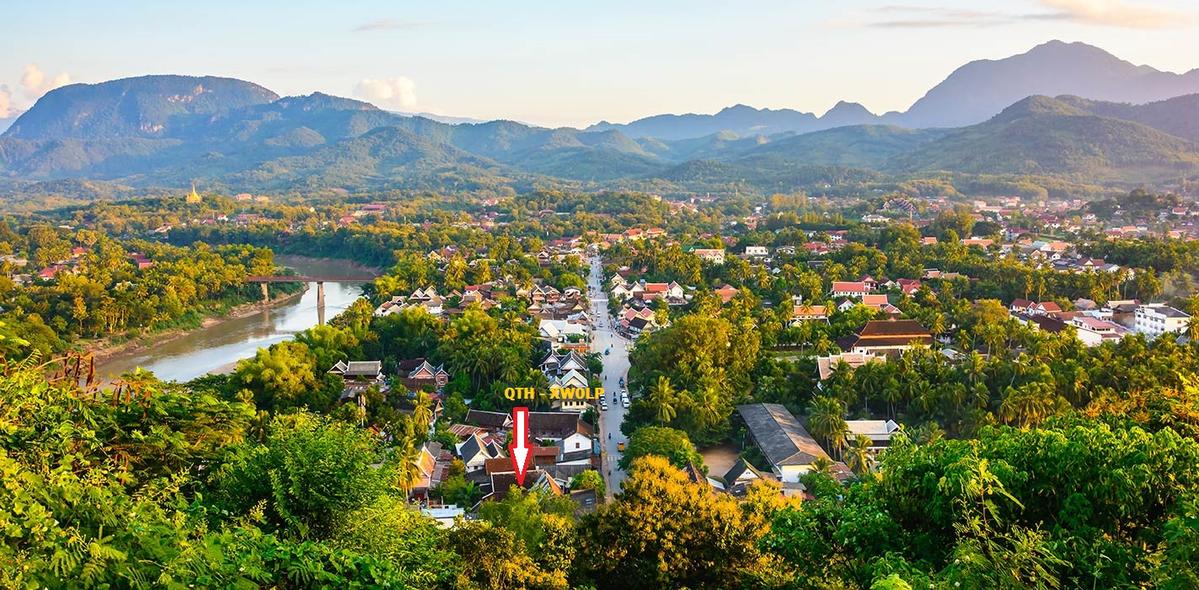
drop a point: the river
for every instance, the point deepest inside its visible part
(218, 348)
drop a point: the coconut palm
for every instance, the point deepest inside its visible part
(822, 465)
(407, 472)
(1192, 330)
(708, 407)
(871, 378)
(664, 398)
(923, 395)
(893, 393)
(1027, 405)
(422, 413)
(858, 456)
(974, 366)
(826, 420)
(937, 326)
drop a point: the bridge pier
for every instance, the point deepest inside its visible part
(320, 302)
(320, 281)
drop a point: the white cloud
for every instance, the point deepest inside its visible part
(1110, 13)
(397, 93)
(35, 83)
(1115, 13)
(6, 108)
(928, 17)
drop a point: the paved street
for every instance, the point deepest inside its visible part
(616, 365)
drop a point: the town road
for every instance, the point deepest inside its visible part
(616, 367)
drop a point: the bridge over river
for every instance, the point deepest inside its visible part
(320, 281)
(221, 342)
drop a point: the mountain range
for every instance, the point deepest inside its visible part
(1111, 122)
(971, 94)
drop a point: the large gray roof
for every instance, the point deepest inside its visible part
(779, 435)
(358, 368)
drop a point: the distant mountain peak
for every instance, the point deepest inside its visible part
(320, 100)
(143, 106)
(847, 108)
(1039, 105)
(739, 108)
(1078, 54)
(848, 113)
(980, 89)
(741, 119)
(1057, 46)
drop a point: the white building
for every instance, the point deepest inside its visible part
(622, 292)
(560, 330)
(878, 431)
(827, 365)
(713, 255)
(564, 429)
(444, 515)
(1155, 319)
(1093, 331)
(856, 289)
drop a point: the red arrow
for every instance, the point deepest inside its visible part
(519, 449)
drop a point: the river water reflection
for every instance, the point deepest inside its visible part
(219, 347)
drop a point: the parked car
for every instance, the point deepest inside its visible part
(620, 446)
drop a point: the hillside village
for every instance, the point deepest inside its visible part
(784, 352)
(878, 318)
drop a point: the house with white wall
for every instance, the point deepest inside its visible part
(1155, 319)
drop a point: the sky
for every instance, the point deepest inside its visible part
(569, 62)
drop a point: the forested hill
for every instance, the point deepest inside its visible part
(1042, 135)
(150, 106)
(170, 131)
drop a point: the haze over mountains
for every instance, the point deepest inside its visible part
(6, 122)
(986, 118)
(971, 94)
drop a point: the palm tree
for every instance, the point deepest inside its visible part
(838, 439)
(822, 465)
(975, 366)
(663, 396)
(859, 458)
(422, 413)
(407, 473)
(1192, 330)
(927, 433)
(708, 405)
(826, 419)
(937, 326)
(843, 383)
(1027, 406)
(928, 397)
(893, 393)
(871, 378)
